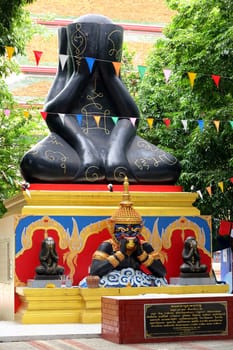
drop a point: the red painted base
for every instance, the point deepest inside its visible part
(150, 319)
(104, 187)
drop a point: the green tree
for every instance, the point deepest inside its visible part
(199, 41)
(16, 29)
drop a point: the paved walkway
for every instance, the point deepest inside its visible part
(15, 336)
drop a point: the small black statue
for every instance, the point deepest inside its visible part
(48, 259)
(191, 258)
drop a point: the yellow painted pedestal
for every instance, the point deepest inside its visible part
(83, 305)
(50, 305)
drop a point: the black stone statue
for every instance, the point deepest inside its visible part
(191, 258)
(48, 260)
(80, 149)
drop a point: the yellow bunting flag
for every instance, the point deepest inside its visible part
(217, 123)
(192, 77)
(10, 51)
(220, 184)
(150, 122)
(209, 190)
(117, 67)
(26, 114)
(97, 119)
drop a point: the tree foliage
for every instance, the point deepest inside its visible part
(198, 40)
(16, 131)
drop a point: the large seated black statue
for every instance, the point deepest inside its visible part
(83, 150)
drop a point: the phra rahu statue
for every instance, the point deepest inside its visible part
(89, 115)
(126, 259)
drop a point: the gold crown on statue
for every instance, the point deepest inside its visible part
(126, 214)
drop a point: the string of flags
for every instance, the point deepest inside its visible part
(117, 65)
(209, 188)
(142, 70)
(150, 120)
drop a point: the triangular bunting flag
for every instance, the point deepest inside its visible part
(44, 114)
(117, 67)
(216, 79)
(231, 123)
(192, 77)
(185, 124)
(97, 119)
(216, 123)
(7, 112)
(90, 62)
(115, 119)
(209, 190)
(201, 124)
(79, 118)
(26, 114)
(200, 194)
(220, 184)
(63, 59)
(133, 121)
(167, 73)
(10, 51)
(62, 117)
(231, 179)
(142, 71)
(37, 56)
(167, 122)
(150, 122)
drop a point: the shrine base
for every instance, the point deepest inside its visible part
(155, 318)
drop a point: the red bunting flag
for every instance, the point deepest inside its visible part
(167, 122)
(231, 179)
(37, 56)
(216, 79)
(44, 114)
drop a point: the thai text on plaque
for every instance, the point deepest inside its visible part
(185, 319)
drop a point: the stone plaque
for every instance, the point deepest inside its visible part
(185, 319)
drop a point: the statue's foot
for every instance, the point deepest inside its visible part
(144, 163)
(53, 161)
(150, 164)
